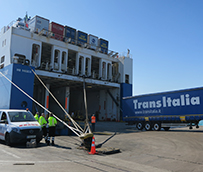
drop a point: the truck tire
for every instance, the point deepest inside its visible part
(148, 126)
(157, 126)
(139, 125)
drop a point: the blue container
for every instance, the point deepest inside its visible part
(70, 33)
(81, 38)
(103, 44)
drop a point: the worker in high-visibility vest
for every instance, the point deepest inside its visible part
(43, 123)
(93, 121)
(37, 116)
(52, 127)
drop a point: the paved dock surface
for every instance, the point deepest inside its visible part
(177, 150)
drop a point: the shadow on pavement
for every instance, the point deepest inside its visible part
(108, 128)
(62, 147)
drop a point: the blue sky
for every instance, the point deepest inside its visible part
(165, 37)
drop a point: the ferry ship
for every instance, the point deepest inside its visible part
(63, 58)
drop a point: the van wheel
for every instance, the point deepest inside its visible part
(157, 126)
(148, 126)
(139, 125)
(7, 140)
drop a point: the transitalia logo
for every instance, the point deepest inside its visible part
(183, 100)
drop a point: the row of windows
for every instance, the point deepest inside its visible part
(2, 59)
(68, 62)
(2, 62)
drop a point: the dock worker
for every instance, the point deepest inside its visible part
(52, 127)
(43, 123)
(93, 121)
(37, 116)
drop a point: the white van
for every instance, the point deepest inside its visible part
(19, 126)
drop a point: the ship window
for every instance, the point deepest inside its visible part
(35, 55)
(127, 79)
(64, 57)
(81, 62)
(109, 71)
(56, 56)
(103, 70)
(1, 66)
(95, 67)
(2, 59)
(87, 67)
(63, 65)
(71, 62)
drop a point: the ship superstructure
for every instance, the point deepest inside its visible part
(63, 58)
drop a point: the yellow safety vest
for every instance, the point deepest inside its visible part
(52, 121)
(42, 121)
(36, 117)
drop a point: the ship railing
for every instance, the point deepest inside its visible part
(125, 54)
(5, 28)
(71, 71)
(70, 40)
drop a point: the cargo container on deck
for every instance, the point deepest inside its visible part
(70, 35)
(103, 45)
(167, 109)
(57, 30)
(39, 25)
(81, 38)
(92, 42)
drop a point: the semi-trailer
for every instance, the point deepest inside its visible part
(165, 109)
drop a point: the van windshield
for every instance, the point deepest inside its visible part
(21, 116)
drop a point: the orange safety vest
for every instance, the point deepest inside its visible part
(93, 119)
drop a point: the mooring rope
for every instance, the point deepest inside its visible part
(73, 129)
(85, 100)
(72, 120)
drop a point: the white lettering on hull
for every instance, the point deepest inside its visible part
(183, 100)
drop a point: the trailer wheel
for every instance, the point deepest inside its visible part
(157, 126)
(139, 126)
(148, 126)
